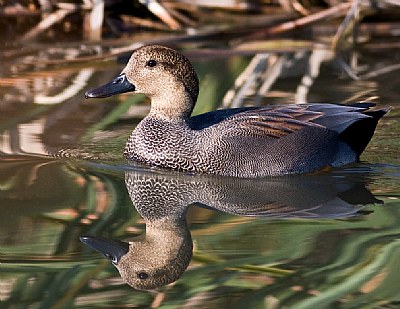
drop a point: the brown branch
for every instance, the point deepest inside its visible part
(18, 11)
(47, 22)
(348, 24)
(337, 10)
(158, 10)
(381, 71)
(180, 17)
(142, 22)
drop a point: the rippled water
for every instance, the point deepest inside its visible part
(328, 240)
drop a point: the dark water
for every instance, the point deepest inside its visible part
(327, 240)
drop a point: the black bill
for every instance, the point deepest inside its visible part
(120, 84)
(111, 249)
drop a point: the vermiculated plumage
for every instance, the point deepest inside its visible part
(243, 142)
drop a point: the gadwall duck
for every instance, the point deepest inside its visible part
(241, 142)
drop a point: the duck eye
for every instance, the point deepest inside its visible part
(142, 275)
(151, 63)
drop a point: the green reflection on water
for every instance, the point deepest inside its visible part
(238, 262)
(351, 262)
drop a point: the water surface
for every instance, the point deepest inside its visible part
(329, 240)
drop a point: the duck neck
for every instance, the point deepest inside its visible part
(175, 107)
(169, 235)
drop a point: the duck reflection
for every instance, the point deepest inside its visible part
(163, 253)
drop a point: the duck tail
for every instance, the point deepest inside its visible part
(359, 133)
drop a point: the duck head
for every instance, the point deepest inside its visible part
(162, 74)
(150, 261)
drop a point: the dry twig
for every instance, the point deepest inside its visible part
(158, 10)
(47, 22)
(337, 10)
